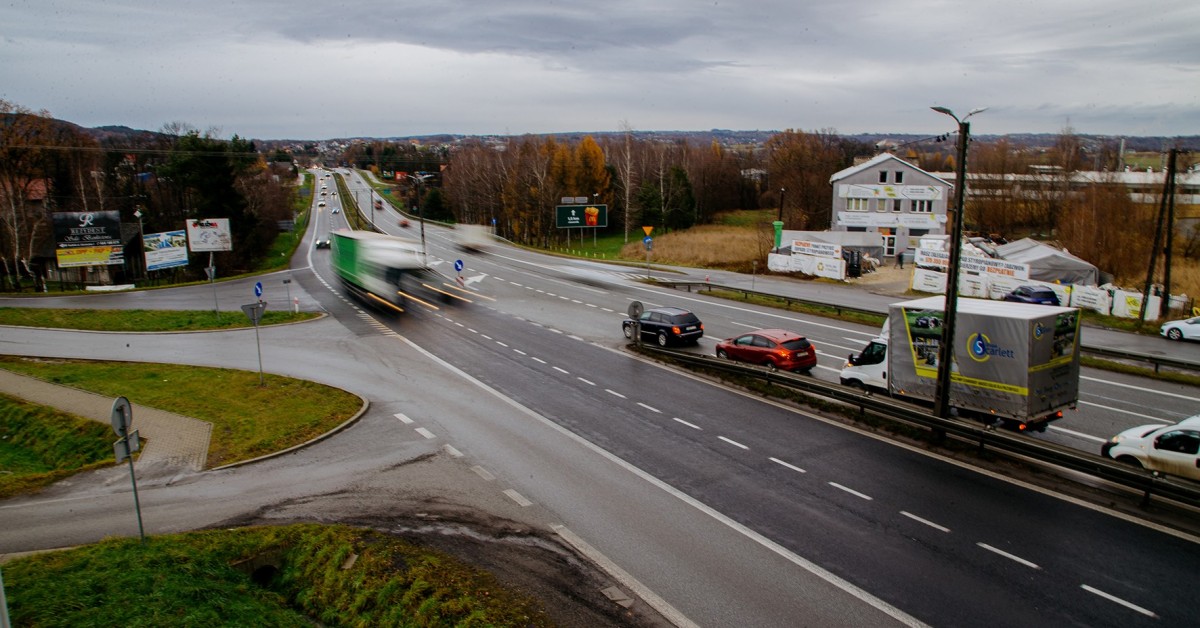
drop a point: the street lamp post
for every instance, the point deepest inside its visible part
(779, 222)
(946, 344)
(137, 213)
(417, 181)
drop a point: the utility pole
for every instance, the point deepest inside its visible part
(1166, 212)
(946, 344)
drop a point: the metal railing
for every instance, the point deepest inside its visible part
(985, 436)
(701, 286)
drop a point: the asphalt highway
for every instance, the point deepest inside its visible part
(726, 508)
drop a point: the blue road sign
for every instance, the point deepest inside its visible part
(458, 265)
(258, 288)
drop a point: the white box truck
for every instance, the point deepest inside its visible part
(1015, 363)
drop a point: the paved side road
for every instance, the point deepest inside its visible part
(172, 440)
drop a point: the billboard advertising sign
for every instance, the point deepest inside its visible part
(208, 235)
(88, 238)
(165, 250)
(567, 216)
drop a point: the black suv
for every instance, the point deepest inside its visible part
(667, 325)
(1039, 295)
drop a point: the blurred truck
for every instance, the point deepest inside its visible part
(386, 270)
(472, 237)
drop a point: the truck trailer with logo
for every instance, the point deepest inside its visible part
(1016, 364)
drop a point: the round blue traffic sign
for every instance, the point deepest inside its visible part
(647, 240)
(258, 288)
(458, 265)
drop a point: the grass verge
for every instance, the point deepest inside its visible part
(248, 420)
(40, 445)
(140, 320)
(263, 576)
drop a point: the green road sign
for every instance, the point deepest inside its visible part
(568, 216)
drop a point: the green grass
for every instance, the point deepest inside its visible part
(140, 320)
(40, 445)
(204, 579)
(248, 420)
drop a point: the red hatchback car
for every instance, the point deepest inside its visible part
(773, 348)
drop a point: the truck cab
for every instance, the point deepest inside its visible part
(867, 368)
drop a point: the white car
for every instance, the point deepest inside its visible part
(1187, 329)
(1172, 449)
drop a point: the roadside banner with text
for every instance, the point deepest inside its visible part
(209, 235)
(88, 239)
(165, 250)
(816, 249)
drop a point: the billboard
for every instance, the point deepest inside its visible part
(165, 250)
(88, 238)
(567, 216)
(208, 235)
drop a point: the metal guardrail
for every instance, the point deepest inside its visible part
(1012, 443)
(1156, 360)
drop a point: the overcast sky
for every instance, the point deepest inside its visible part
(305, 69)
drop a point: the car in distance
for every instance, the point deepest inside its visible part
(1040, 295)
(776, 349)
(1186, 329)
(1171, 449)
(323, 244)
(320, 203)
(666, 325)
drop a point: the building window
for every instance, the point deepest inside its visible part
(883, 176)
(857, 229)
(856, 204)
(916, 233)
(883, 205)
(897, 204)
(922, 207)
(899, 176)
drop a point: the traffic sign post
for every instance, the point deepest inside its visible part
(254, 312)
(122, 420)
(649, 242)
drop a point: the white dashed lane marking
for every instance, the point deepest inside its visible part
(1011, 557)
(789, 466)
(1113, 598)
(924, 521)
(851, 491)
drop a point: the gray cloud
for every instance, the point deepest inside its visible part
(308, 69)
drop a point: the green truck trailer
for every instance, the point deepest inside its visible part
(385, 270)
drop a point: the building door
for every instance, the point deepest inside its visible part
(889, 245)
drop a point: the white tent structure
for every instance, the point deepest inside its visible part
(1049, 264)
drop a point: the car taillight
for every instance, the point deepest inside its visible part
(675, 330)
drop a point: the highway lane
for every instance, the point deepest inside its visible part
(741, 457)
(549, 290)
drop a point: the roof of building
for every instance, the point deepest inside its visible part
(875, 161)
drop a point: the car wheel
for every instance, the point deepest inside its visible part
(1174, 334)
(771, 366)
(854, 383)
(1131, 461)
(628, 329)
(662, 339)
(721, 354)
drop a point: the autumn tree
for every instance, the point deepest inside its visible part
(802, 163)
(25, 160)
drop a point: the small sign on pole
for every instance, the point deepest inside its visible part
(122, 420)
(254, 312)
